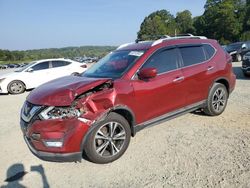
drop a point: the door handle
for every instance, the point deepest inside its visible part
(210, 68)
(178, 79)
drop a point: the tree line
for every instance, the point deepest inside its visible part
(224, 20)
(68, 52)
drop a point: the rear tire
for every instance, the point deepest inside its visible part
(108, 140)
(75, 74)
(217, 100)
(16, 87)
(246, 74)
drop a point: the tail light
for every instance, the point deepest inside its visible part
(84, 66)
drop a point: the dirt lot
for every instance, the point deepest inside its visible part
(190, 151)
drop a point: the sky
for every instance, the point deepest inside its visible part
(37, 24)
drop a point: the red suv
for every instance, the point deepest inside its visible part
(136, 86)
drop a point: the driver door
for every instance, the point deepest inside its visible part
(165, 92)
(39, 74)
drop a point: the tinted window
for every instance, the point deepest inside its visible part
(192, 55)
(210, 50)
(59, 63)
(41, 66)
(248, 44)
(163, 61)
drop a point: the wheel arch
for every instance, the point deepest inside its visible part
(124, 111)
(223, 81)
(128, 114)
(25, 87)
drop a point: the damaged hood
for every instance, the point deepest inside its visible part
(62, 91)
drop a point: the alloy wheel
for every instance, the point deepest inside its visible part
(219, 100)
(109, 139)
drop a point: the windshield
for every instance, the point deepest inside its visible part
(234, 47)
(114, 65)
(25, 67)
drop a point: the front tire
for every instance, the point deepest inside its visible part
(16, 87)
(217, 100)
(108, 140)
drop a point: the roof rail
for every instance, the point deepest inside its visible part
(178, 37)
(184, 35)
(124, 45)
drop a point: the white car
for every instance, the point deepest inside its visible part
(37, 73)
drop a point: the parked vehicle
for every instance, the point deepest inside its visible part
(238, 49)
(37, 73)
(11, 65)
(246, 64)
(3, 66)
(136, 86)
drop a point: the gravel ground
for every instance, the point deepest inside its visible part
(190, 151)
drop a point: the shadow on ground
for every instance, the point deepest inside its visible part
(16, 173)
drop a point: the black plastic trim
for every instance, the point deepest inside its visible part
(170, 115)
(55, 157)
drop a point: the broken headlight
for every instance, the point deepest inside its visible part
(59, 113)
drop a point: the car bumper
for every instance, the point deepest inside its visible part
(3, 88)
(69, 132)
(55, 157)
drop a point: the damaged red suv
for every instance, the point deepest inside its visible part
(136, 86)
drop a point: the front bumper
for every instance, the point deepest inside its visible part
(55, 157)
(3, 88)
(70, 131)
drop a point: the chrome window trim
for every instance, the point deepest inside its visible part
(182, 65)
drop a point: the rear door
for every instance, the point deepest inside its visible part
(164, 93)
(197, 70)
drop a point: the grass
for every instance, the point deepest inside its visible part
(15, 62)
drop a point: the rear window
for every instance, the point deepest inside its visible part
(59, 63)
(209, 50)
(192, 55)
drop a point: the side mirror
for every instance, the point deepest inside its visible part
(30, 70)
(147, 73)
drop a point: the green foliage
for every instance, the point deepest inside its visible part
(69, 52)
(157, 24)
(184, 22)
(245, 36)
(224, 20)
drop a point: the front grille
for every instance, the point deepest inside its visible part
(30, 112)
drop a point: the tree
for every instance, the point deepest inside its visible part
(184, 22)
(157, 24)
(221, 20)
(246, 22)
